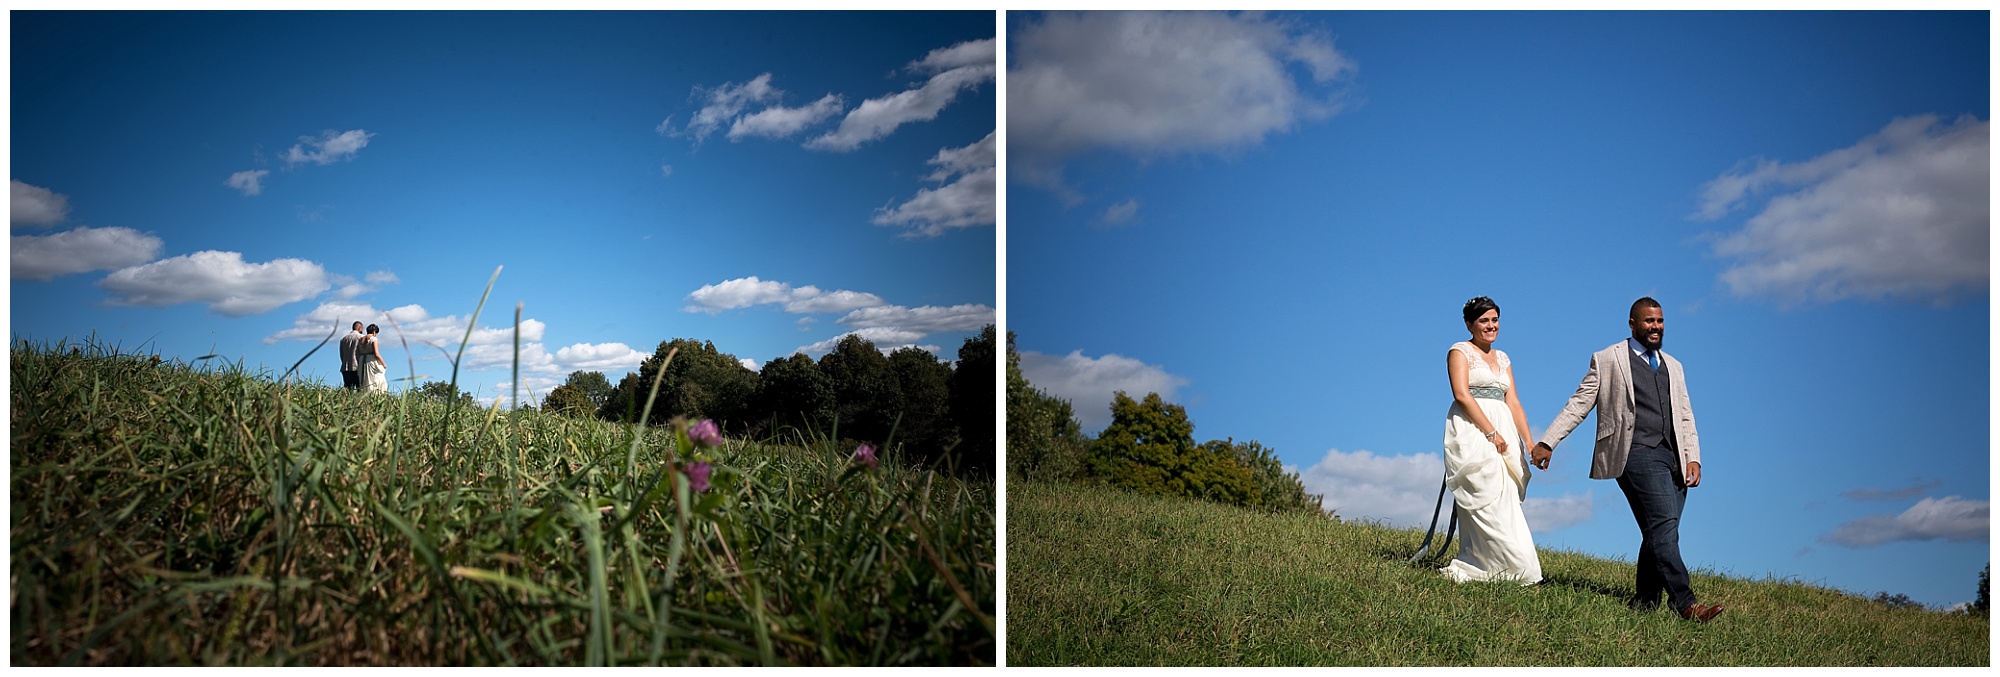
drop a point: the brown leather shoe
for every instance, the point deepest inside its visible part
(1700, 613)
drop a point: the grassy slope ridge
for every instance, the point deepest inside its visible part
(1098, 576)
(163, 514)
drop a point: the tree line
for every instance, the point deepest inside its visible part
(1148, 447)
(936, 411)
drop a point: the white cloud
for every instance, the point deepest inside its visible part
(886, 340)
(330, 315)
(1903, 213)
(535, 359)
(347, 287)
(923, 319)
(741, 292)
(250, 182)
(1400, 491)
(750, 291)
(36, 206)
(491, 348)
(45, 257)
(887, 326)
(666, 171)
(968, 201)
(809, 299)
(957, 67)
(969, 53)
(414, 324)
(1552, 514)
(778, 122)
(330, 147)
(1951, 518)
(749, 364)
(721, 105)
(312, 214)
(1122, 212)
(610, 358)
(222, 280)
(1088, 382)
(1151, 83)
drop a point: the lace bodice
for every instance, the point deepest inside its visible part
(1478, 372)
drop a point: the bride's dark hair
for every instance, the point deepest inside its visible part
(1477, 307)
(372, 329)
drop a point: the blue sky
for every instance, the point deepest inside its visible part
(236, 183)
(1274, 220)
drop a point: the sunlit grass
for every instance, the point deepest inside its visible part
(1099, 576)
(197, 514)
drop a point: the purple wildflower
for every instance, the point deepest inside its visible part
(698, 476)
(865, 454)
(704, 433)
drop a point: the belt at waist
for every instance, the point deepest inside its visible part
(1488, 392)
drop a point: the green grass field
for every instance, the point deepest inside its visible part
(1099, 576)
(165, 513)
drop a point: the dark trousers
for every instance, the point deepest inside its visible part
(1654, 487)
(350, 380)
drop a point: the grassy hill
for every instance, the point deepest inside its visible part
(1099, 576)
(162, 513)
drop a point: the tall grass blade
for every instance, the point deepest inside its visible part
(309, 353)
(469, 326)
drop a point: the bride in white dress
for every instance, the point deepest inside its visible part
(1483, 457)
(374, 374)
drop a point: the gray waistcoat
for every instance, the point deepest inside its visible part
(1652, 423)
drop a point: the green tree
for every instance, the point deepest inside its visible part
(864, 390)
(972, 401)
(625, 400)
(922, 403)
(569, 400)
(1897, 601)
(444, 392)
(1149, 447)
(1982, 603)
(700, 382)
(1044, 440)
(1276, 490)
(792, 391)
(593, 385)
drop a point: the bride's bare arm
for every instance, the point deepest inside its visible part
(1514, 405)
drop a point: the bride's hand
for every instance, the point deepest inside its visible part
(1501, 444)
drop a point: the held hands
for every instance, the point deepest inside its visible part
(1539, 456)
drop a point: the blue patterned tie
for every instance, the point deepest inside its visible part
(1653, 360)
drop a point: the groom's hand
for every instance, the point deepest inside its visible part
(1540, 456)
(1694, 473)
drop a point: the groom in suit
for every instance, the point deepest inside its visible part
(1646, 441)
(350, 363)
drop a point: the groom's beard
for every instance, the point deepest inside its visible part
(1650, 345)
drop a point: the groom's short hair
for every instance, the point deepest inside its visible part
(357, 325)
(1643, 302)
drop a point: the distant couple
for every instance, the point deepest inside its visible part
(1645, 439)
(361, 366)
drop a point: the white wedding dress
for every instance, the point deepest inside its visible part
(374, 375)
(1487, 487)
